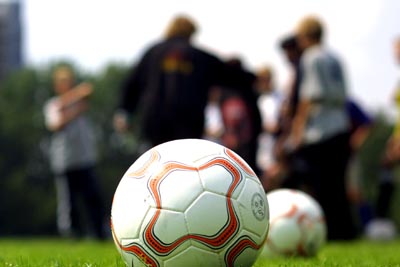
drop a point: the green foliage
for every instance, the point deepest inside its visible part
(21, 130)
(370, 156)
(113, 159)
(27, 196)
(372, 151)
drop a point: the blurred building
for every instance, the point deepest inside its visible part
(10, 37)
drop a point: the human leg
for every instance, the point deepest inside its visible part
(93, 201)
(333, 161)
(67, 207)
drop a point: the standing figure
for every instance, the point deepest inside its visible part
(269, 103)
(382, 226)
(213, 125)
(241, 119)
(321, 129)
(169, 87)
(73, 155)
(281, 174)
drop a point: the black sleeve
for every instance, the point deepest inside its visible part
(133, 85)
(233, 76)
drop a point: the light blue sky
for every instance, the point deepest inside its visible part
(95, 32)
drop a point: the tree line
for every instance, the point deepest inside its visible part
(27, 193)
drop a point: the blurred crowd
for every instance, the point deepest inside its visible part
(304, 136)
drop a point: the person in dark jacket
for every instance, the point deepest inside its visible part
(241, 119)
(169, 86)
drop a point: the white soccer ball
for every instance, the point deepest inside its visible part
(191, 203)
(297, 224)
(381, 229)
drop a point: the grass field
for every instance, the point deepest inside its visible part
(66, 253)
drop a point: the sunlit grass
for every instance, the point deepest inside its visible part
(68, 253)
(58, 253)
(356, 254)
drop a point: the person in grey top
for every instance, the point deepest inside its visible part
(321, 129)
(73, 154)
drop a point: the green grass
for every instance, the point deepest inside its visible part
(352, 254)
(58, 253)
(68, 253)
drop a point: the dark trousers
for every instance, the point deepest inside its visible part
(76, 187)
(320, 170)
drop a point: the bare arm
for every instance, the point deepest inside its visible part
(68, 114)
(299, 123)
(69, 106)
(78, 93)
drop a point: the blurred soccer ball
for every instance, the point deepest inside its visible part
(381, 230)
(297, 225)
(191, 203)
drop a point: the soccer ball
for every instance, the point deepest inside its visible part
(189, 202)
(297, 225)
(381, 229)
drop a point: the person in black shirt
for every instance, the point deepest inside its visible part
(169, 86)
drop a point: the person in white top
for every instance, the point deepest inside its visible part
(213, 125)
(321, 128)
(269, 102)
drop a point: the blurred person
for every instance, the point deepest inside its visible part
(360, 120)
(320, 130)
(292, 52)
(213, 125)
(280, 174)
(73, 155)
(392, 152)
(168, 88)
(269, 102)
(361, 124)
(382, 226)
(241, 119)
(391, 155)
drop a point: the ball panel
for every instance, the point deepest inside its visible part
(153, 237)
(179, 188)
(286, 234)
(314, 238)
(189, 195)
(239, 162)
(253, 208)
(188, 151)
(283, 204)
(170, 226)
(309, 205)
(129, 207)
(243, 253)
(217, 179)
(297, 225)
(207, 215)
(132, 260)
(194, 256)
(145, 164)
(134, 253)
